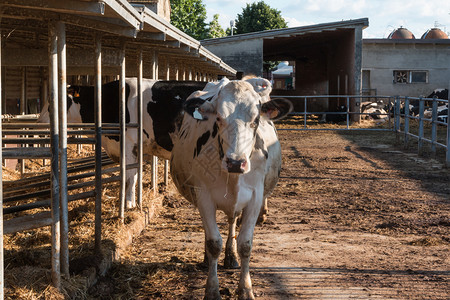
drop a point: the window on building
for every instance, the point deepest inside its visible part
(407, 76)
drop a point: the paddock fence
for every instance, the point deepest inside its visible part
(390, 113)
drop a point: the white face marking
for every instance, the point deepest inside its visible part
(237, 110)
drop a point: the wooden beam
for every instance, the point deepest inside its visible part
(27, 222)
(67, 6)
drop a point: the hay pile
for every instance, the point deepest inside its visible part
(28, 253)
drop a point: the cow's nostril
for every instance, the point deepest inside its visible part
(236, 166)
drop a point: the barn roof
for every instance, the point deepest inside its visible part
(24, 28)
(282, 44)
(291, 32)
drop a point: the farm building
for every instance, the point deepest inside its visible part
(333, 59)
(25, 61)
(404, 65)
(46, 45)
(326, 57)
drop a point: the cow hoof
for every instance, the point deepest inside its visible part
(261, 219)
(212, 295)
(246, 294)
(230, 262)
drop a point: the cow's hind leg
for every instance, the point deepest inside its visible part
(230, 261)
(264, 211)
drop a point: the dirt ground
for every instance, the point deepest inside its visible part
(353, 217)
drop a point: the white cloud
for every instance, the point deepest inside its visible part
(384, 15)
(293, 22)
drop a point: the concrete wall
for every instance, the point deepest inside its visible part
(382, 58)
(244, 56)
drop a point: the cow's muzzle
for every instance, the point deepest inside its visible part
(236, 166)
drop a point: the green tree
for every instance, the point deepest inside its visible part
(215, 30)
(189, 16)
(259, 16)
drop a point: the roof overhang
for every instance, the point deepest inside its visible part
(291, 32)
(24, 25)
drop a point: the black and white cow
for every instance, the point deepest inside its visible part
(163, 109)
(439, 94)
(227, 157)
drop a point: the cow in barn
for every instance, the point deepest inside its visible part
(162, 113)
(340, 115)
(227, 157)
(439, 94)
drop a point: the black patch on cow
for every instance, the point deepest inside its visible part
(110, 103)
(221, 153)
(166, 109)
(259, 145)
(440, 94)
(191, 105)
(201, 141)
(215, 130)
(256, 125)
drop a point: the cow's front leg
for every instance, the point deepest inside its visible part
(130, 190)
(244, 245)
(213, 247)
(230, 261)
(131, 175)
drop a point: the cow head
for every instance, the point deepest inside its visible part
(73, 108)
(237, 110)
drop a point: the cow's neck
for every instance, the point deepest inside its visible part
(232, 185)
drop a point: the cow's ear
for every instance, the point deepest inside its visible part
(276, 109)
(74, 91)
(198, 108)
(262, 86)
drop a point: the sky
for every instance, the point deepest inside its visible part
(384, 15)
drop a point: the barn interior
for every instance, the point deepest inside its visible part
(322, 63)
(325, 60)
(49, 44)
(118, 24)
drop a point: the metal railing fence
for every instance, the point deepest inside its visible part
(344, 101)
(397, 114)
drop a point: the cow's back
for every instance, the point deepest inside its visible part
(165, 108)
(162, 111)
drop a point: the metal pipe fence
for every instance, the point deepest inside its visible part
(311, 104)
(395, 116)
(433, 114)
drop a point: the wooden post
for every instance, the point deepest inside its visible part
(98, 143)
(154, 158)
(62, 115)
(54, 142)
(140, 158)
(122, 120)
(2, 265)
